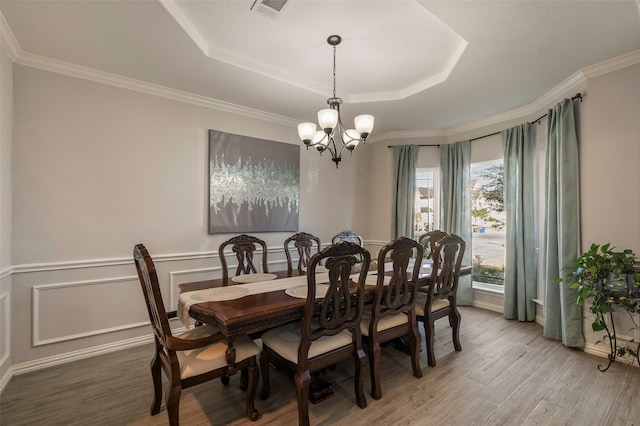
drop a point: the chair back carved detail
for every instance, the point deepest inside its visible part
(244, 246)
(450, 250)
(400, 294)
(341, 307)
(304, 244)
(429, 241)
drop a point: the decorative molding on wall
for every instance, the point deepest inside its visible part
(35, 312)
(173, 297)
(5, 316)
(99, 263)
(4, 274)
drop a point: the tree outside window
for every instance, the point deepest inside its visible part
(488, 222)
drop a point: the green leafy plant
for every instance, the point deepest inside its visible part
(608, 279)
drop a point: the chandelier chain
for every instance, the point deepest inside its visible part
(334, 71)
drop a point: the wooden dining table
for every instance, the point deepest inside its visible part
(255, 313)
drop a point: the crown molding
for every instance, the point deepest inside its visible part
(20, 57)
(110, 79)
(611, 65)
(386, 136)
(577, 81)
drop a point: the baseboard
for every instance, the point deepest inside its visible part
(38, 364)
(488, 306)
(4, 381)
(602, 351)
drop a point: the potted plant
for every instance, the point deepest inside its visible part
(608, 279)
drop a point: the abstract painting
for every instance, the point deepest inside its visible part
(254, 184)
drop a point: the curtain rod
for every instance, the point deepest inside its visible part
(537, 120)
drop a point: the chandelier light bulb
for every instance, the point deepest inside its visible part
(307, 132)
(328, 119)
(364, 124)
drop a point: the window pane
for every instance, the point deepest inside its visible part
(426, 202)
(488, 222)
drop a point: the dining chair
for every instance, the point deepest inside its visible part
(392, 314)
(352, 237)
(304, 244)
(191, 358)
(440, 299)
(244, 246)
(329, 331)
(429, 240)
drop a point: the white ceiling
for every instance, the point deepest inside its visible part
(418, 66)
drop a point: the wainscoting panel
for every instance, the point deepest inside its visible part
(179, 277)
(61, 312)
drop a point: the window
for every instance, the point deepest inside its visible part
(488, 222)
(426, 202)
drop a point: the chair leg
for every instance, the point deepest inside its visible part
(361, 363)
(455, 318)
(244, 379)
(303, 380)
(252, 373)
(173, 404)
(224, 380)
(156, 375)
(414, 342)
(429, 332)
(373, 353)
(264, 367)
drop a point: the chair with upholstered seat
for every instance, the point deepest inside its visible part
(352, 237)
(244, 247)
(392, 314)
(429, 240)
(329, 331)
(304, 244)
(440, 299)
(194, 357)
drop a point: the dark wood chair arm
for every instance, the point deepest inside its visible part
(178, 344)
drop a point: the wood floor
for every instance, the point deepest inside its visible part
(506, 374)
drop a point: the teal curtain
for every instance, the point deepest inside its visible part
(520, 282)
(455, 204)
(562, 317)
(404, 190)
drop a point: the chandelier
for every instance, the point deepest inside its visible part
(331, 123)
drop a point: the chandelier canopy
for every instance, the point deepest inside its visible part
(331, 123)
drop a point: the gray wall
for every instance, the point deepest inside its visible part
(6, 114)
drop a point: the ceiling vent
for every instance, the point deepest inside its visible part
(269, 8)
